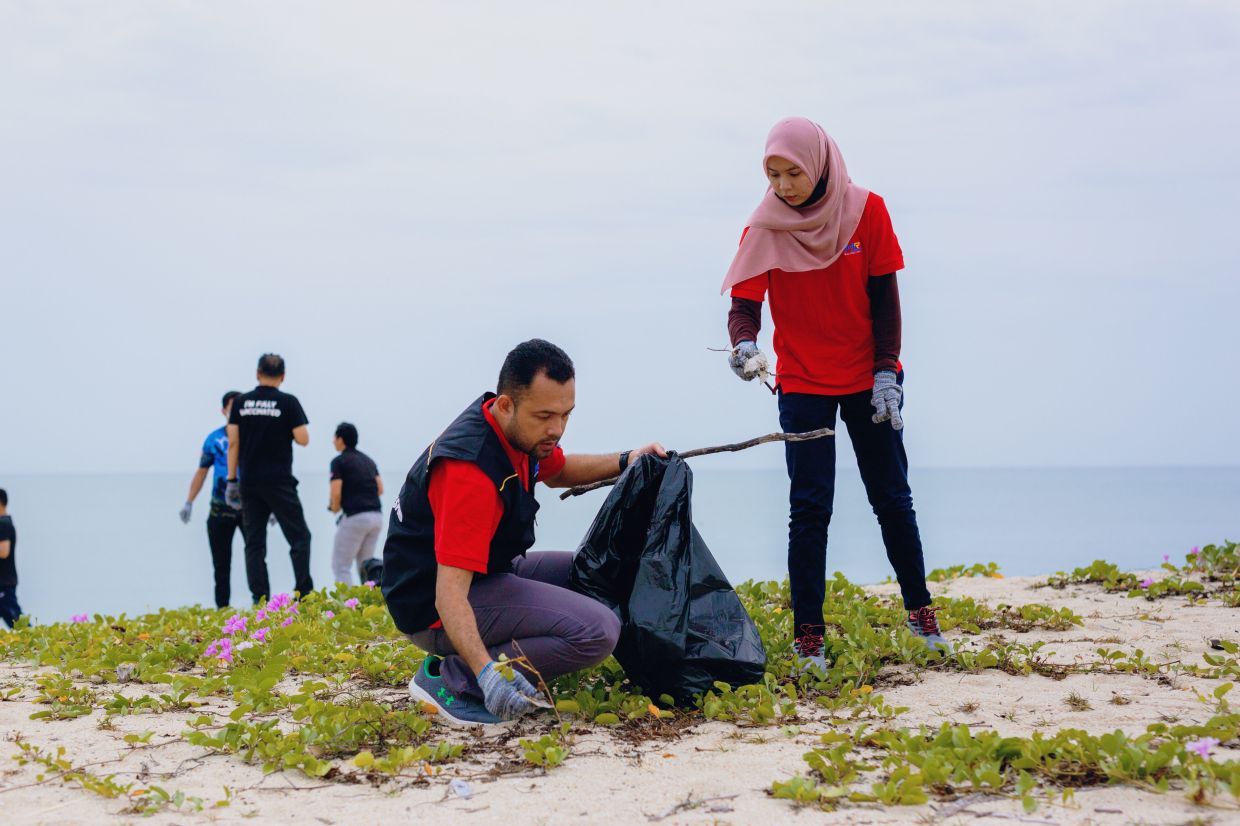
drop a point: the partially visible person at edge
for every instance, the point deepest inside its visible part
(10, 611)
(222, 520)
(355, 489)
(457, 578)
(262, 427)
(824, 251)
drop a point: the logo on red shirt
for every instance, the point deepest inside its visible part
(853, 248)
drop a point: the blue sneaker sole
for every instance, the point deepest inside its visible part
(442, 716)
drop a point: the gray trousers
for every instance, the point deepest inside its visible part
(356, 537)
(559, 630)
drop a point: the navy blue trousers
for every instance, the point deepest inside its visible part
(10, 611)
(811, 472)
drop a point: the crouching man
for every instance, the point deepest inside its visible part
(456, 576)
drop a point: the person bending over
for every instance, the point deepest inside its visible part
(355, 489)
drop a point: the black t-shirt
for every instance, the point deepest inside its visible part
(358, 490)
(266, 418)
(8, 565)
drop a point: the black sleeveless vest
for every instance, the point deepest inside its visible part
(409, 564)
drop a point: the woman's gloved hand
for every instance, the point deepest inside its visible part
(506, 699)
(747, 361)
(886, 399)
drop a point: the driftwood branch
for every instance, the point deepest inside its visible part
(705, 451)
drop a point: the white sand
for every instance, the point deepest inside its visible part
(608, 779)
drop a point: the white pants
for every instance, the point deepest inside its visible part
(356, 537)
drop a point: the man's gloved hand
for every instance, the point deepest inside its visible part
(886, 399)
(186, 510)
(506, 699)
(747, 361)
(232, 494)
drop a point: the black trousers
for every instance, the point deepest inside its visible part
(259, 501)
(222, 525)
(10, 611)
(811, 470)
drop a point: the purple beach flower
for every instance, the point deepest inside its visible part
(79, 618)
(235, 623)
(370, 583)
(287, 622)
(1203, 746)
(261, 634)
(1147, 583)
(328, 614)
(351, 602)
(1166, 557)
(1194, 551)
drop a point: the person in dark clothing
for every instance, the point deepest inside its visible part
(222, 520)
(355, 489)
(262, 427)
(10, 611)
(824, 251)
(456, 576)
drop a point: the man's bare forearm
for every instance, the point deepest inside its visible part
(457, 616)
(583, 469)
(234, 449)
(195, 484)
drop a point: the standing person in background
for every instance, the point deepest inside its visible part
(222, 520)
(10, 611)
(355, 489)
(262, 427)
(823, 250)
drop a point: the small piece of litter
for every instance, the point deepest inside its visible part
(461, 789)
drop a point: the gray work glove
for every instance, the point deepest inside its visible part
(506, 700)
(186, 510)
(886, 399)
(232, 494)
(747, 361)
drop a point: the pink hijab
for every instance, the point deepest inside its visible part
(786, 238)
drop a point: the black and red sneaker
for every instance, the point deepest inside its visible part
(809, 648)
(925, 624)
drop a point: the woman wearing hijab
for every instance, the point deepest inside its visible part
(823, 250)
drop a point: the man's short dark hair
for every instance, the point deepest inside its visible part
(527, 360)
(229, 396)
(4, 497)
(347, 434)
(271, 365)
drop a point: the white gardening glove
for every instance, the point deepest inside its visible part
(886, 399)
(747, 361)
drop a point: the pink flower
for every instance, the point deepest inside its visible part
(261, 634)
(1166, 557)
(235, 624)
(211, 649)
(277, 602)
(1202, 746)
(226, 657)
(294, 608)
(1147, 583)
(328, 615)
(79, 618)
(351, 603)
(370, 583)
(1194, 551)
(261, 615)
(286, 623)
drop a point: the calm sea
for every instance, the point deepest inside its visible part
(114, 544)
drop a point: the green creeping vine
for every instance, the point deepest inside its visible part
(316, 685)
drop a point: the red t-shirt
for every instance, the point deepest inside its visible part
(467, 506)
(824, 337)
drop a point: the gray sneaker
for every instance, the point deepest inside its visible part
(925, 624)
(427, 686)
(808, 649)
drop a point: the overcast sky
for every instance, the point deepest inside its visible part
(392, 195)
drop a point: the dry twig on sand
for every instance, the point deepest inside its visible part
(706, 451)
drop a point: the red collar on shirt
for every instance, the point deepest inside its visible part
(520, 461)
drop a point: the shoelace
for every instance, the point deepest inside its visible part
(925, 619)
(808, 643)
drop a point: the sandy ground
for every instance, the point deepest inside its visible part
(710, 773)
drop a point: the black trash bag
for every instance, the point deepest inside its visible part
(682, 625)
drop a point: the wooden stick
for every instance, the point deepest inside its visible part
(705, 451)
